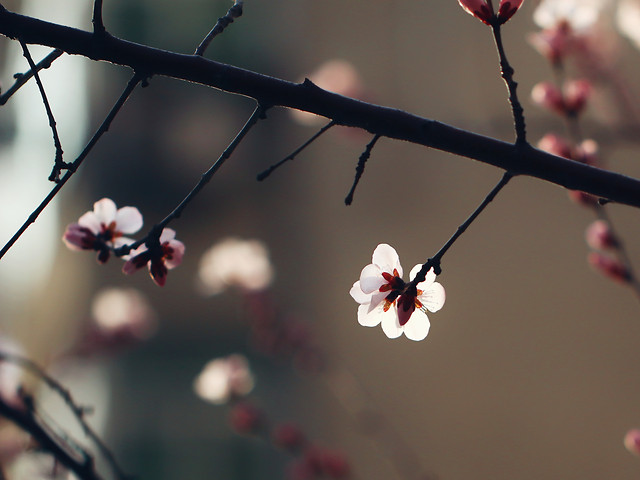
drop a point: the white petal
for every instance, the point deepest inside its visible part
(386, 257)
(369, 318)
(122, 241)
(128, 220)
(390, 324)
(358, 295)
(371, 279)
(105, 210)
(167, 235)
(433, 297)
(429, 279)
(91, 221)
(417, 327)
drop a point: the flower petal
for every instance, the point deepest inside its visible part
(91, 221)
(417, 327)
(128, 220)
(175, 259)
(167, 235)
(371, 279)
(433, 297)
(358, 295)
(371, 314)
(105, 210)
(391, 325)
(386, 257)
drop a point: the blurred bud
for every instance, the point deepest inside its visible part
(330, 463)
(555, 145)
(245, 418)
(553, 43)
(337, 76)
(609, 267)
(235, 263)
(548, 96)
(122, 315)
(632, 441)
(288, 436)
(576, 93)
(583, 199)
(600, 237)
(223, 379)
(587, 153)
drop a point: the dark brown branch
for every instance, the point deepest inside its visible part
(98, 24)
(383, 121)
(58, 162)
(104, 127)
(362, 161)
(22, 78)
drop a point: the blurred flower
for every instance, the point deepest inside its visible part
(555, 145)
(337, 76)
(547, 95)
(483, 10)
(288, 436)
(239, 263)
(159, 258)
(123, 313)
(609, 267)
(628, 20)
(386, 299)
(103, 228)
(599, 236)
(223, 379)
(568, 102)
(579, 14)
(632, 441)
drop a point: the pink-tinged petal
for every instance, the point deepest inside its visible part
(358, 295)
(105, 210)
(390, 324)
(371, 279)
(478, 8)
(417, 327)
(386, 257)
(433, 297)
(91, 221)
(173, 259)
(167, 235)
(77, 237)
(128, 220)
(137, 259)
(429, 278)
(508, 8)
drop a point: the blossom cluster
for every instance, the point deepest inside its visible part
(104, 229)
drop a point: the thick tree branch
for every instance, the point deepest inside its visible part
(383, 121)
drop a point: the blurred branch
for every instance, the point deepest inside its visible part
(223, 22)
(379, 120)
(22, 78)
(78, 411)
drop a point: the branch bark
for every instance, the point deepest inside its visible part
(379, 120)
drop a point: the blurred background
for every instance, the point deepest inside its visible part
(530, 369)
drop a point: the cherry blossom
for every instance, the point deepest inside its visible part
(386, 299)
(483, 10)
(234, 262)
(579, 14)
(123, 313)
(103, 228)
(160, 256)
(223, 379)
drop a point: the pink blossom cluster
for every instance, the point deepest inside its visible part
(104, 229)
(483, 10)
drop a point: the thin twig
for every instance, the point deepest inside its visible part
(59, 164)
(434, 262)
(22, 78)
(506, 72)
(360, 168)
(104, 127)
(223, 22)
(294, 154)
(98, 24)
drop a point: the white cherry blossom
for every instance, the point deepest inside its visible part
(386, 300)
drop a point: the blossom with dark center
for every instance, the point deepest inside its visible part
(103, 228)
(483, 10)
(388, 300)
(161, 256)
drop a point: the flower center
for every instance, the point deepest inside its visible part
(405, 293)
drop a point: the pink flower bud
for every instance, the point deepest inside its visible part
(553, 43)
(548, 96)
(556, 145)
(609, 267)
(600, 237)
(587, 153)
(483, 11)
(632, 441)
(576, 93)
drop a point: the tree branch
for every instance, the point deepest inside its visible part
(383, 121)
